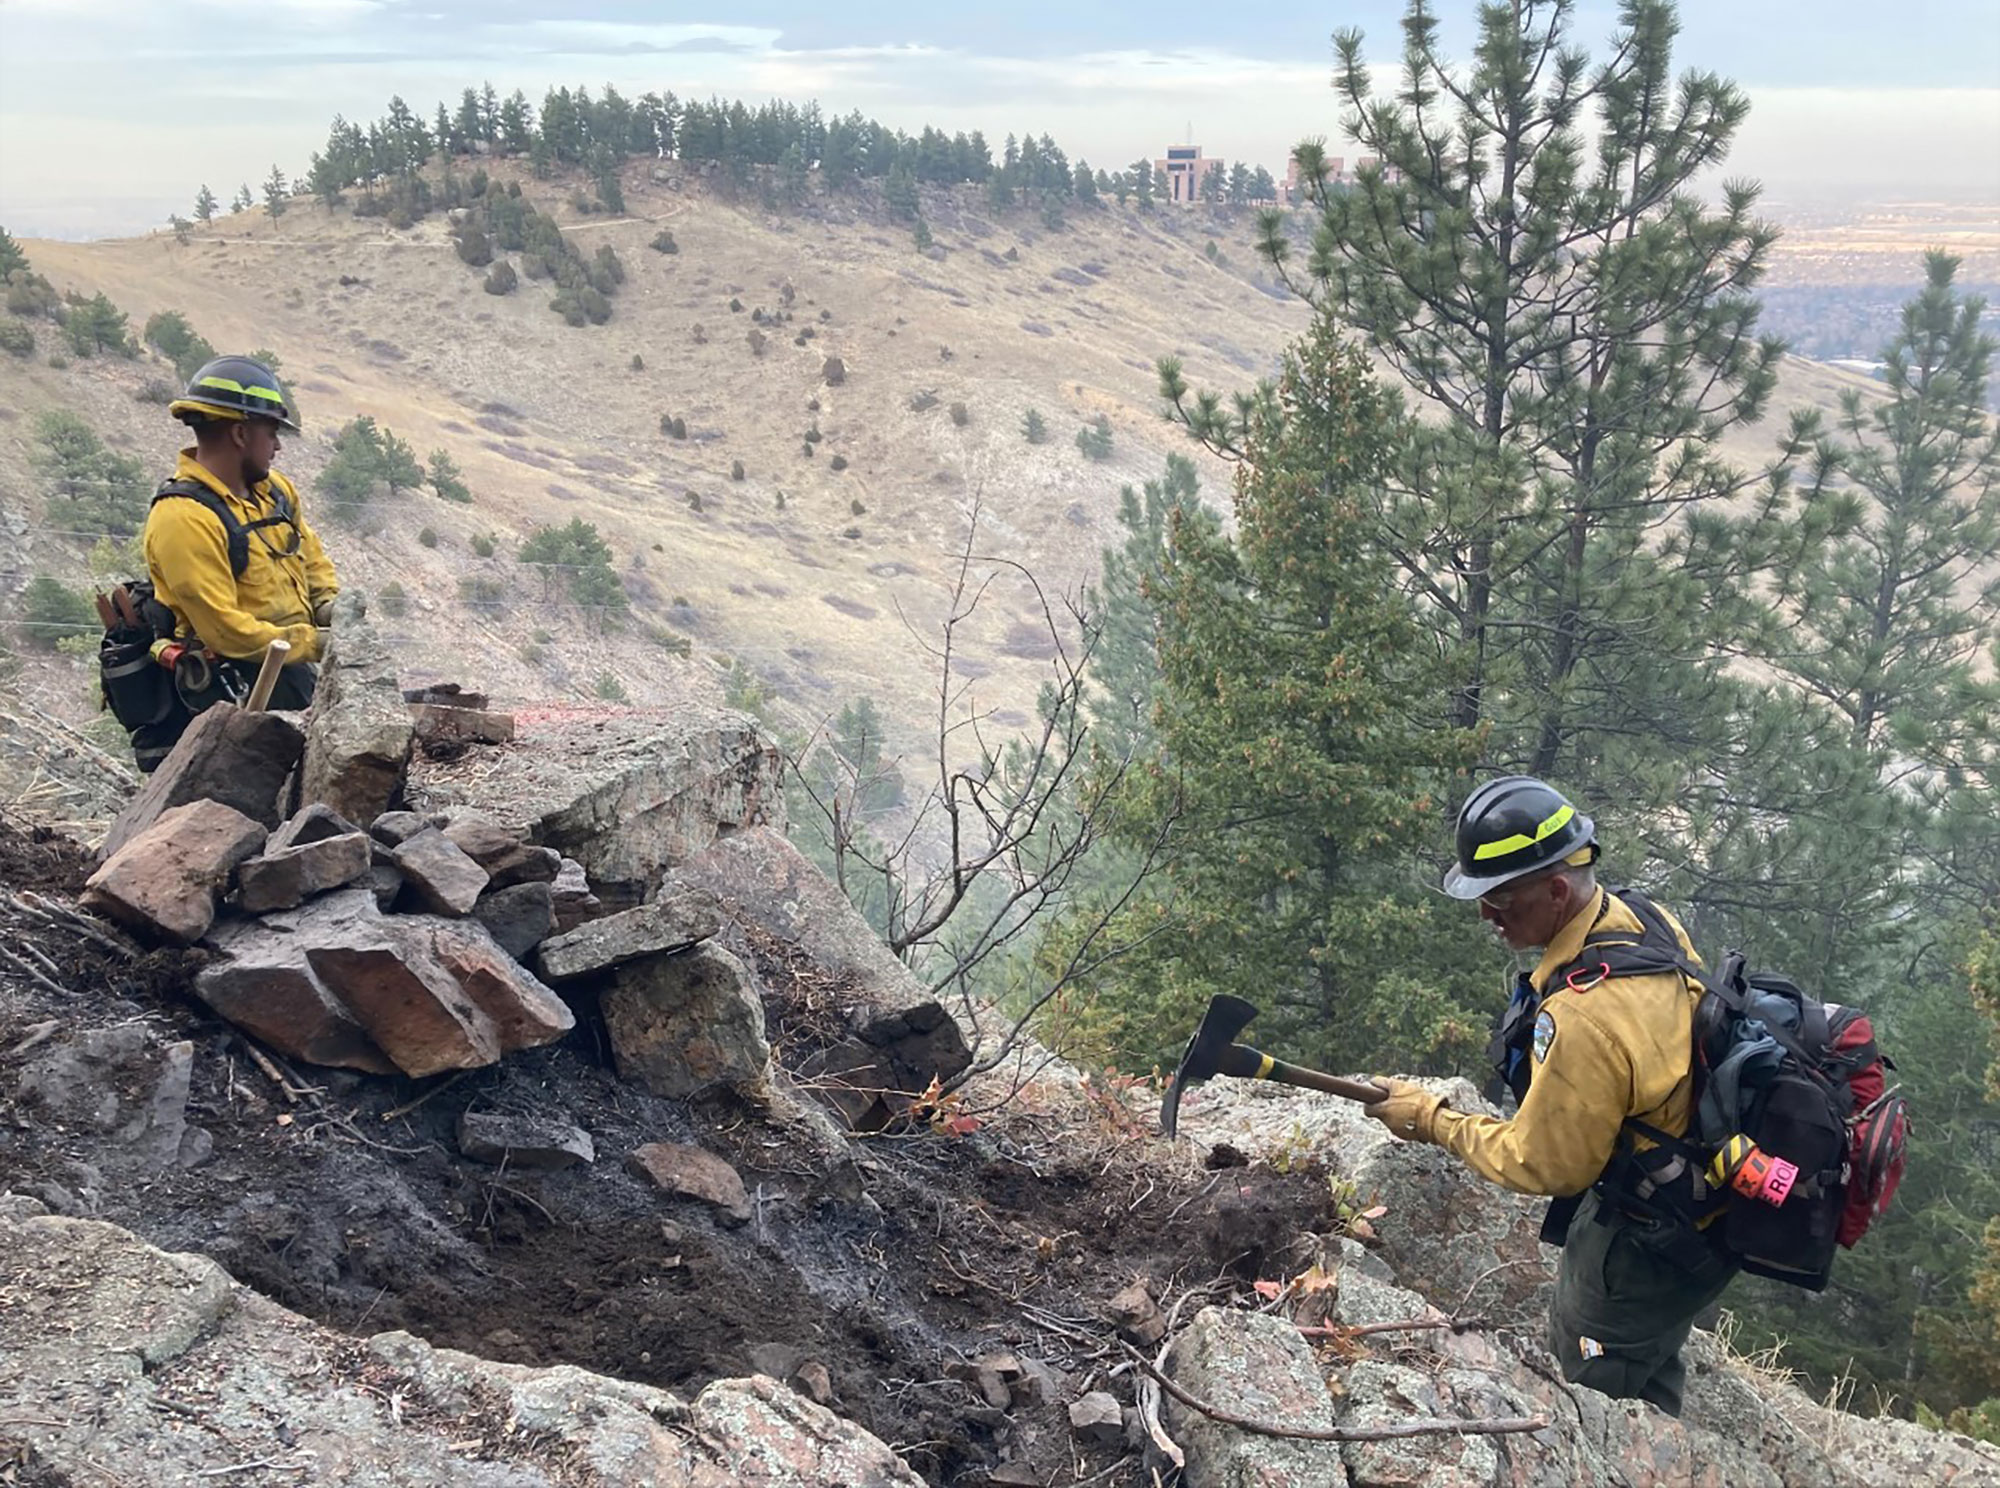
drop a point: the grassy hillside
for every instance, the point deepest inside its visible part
(825, 598)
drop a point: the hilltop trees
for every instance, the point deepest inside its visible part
(205, 205)
(365, 455)
(277, 194)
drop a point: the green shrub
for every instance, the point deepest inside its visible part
(638, 362)
(157, 390)
(611, 689)
(736, 470)
(17, 337)
(1094, 439)
(483, 592)
(428, 537)
(838, 462)
(960, 415)
(51, 612)
(483, 543)
(447, 479)
(542, 637)
(857, 508)
(393, 600)
(694, 500)
(501, 278)
(1034, 428)
(663, 241)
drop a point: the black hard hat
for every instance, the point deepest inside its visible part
(234, 387)
(1510, 828)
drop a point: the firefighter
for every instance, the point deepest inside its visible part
(229, 551)
(1584, 1054)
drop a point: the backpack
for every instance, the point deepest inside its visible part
(1797, 1139)
(137, 684)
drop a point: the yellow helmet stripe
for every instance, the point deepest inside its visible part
(1520, 840)
(227, 385)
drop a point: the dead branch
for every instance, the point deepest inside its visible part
(34, 973)
(1492, 1426)
(103, 935)
(1418, 1325)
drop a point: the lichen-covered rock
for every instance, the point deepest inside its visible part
(672, 923)
(1256, 1366)
(630, 793)
(96, 1315)
(359, 732)
(688, 1025)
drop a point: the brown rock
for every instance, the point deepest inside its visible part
(672, 924)
(574, 902)
(397, 827)
(1097, 1417)
(288, 877)
(240, 759)
(693, 1173)
(359, 733)
(687, 1025)
(523, 1011)
(411, 1006)
(314, 824)
(813, 1378)
(264, 983)
(167, 879)
(438, 876)
(1134, 1312)
(437, 724)
(445, 695)
(505, 855)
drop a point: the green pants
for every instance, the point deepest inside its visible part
(1626, 1297)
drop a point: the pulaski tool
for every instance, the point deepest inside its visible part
(1212, 1051)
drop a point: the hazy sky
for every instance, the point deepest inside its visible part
(113, 112)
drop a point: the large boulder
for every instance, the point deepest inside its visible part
(628, 794)
(688, 1025)
(95, 1314)
(898, 1036)
(167, 880)
(359, 733)
(241, 759)
(263, 980)
(336, 981)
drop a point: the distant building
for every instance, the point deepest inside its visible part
(1182, 172)
(1337, 174)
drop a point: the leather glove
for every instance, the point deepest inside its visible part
(323, 614)
(1410, 1111)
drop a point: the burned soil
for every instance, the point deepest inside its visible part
(345, 1198)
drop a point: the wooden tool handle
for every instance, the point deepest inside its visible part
(267, 676)
(1354, 1090)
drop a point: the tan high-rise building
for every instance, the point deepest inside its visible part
(1180, 175)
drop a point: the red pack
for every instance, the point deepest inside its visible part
(1878, 1129)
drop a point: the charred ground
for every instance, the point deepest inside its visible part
(349, 1202)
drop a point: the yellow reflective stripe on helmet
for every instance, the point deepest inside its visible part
(227, 386)
(196, 405)
(1520, 840)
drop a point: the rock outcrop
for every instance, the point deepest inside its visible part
(627, 795)
(104, 1341)
(359, 733)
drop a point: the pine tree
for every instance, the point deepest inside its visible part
(1239, 184)
(205, 204)
(12, 259)
(1034, 428)
(99, 489)
(276, 197)
(1142, 183)
(1213, 187)
(447, 479)
(1085, 185)
(243, 200)
(1584, 330)
(1125, 668)
(1303, 775)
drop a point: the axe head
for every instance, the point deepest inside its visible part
(1226, 1017)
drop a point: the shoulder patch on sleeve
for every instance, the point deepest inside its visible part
(1545, 1036)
